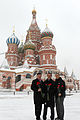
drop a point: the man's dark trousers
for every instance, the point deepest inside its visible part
(49, 97)
(45, 111)
(60, 107)
(38, 108)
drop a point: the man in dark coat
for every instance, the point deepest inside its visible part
(38, 86)
(49, 96)
(60, 95)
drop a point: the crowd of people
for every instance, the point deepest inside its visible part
(50, 93)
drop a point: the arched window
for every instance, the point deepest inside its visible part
(18, 78)
(8, 82)
(4, 76)
(28, 75)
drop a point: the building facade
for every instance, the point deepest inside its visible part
(36, 54)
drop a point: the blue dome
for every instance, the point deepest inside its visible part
(13, 40)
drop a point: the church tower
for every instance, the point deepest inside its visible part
(12, 53)
(35, 35)
(47, 51)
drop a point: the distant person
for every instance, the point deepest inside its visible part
(49, 96)
(38, 88)
(60, 95)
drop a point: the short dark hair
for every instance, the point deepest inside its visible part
(57, 73)
(49, 72)
(39, 73)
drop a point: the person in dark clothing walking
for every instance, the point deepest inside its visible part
(49, 96)
(38, 88)
(60, 95)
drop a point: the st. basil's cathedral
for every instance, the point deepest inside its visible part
(24, 60)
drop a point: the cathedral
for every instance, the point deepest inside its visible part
(24, 60)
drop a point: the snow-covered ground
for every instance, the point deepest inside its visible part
(21, 107)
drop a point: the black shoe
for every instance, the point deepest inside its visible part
(57, 118)
(38, 118)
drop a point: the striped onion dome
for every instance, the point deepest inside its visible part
(47, 33)
(13, 40)
(29, 45)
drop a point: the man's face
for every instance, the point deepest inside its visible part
(39, 76)
(57, 76)
(49, 75)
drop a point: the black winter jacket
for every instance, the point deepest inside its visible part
(60, 87)
(38, 96)
(49, 91)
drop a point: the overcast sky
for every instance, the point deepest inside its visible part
(63, 20)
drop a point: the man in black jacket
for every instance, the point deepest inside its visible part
(38, 88)
(49, 96)
(60, 95)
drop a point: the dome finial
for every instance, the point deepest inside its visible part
(13, 29)
(34, 13)
(34, 7)
(46, 22)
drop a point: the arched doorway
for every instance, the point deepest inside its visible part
(28, 75)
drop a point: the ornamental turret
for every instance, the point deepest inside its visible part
(12, 53)
(47, 51)
(29, 48)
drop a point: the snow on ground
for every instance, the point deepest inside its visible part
(21, 107)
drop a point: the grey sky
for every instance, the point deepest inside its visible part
(63, 19)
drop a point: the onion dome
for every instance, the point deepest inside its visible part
(29, 45)
(34, 11)
(13, 40)
(47, 33)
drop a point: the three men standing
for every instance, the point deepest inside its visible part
(44, 93)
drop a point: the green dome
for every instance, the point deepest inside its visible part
(47, 33)
(29, 45)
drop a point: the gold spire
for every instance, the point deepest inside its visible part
(46, 22)
(13, 29)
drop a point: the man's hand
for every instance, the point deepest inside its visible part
(39, 90)
(59, 94)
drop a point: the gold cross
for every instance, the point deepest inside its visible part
(46, 22)
(22, 38)
(13, 29)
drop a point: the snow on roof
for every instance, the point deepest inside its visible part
(3, 62)
(25, 69)
(25, 65)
